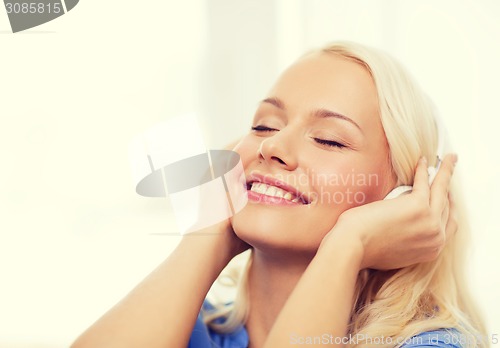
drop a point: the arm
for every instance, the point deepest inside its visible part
(322, 300)
(162, 309)
(382, 235)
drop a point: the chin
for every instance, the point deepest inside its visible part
(270, 230)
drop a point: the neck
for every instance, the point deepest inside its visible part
(272, 278)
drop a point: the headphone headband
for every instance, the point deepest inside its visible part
(431, 170)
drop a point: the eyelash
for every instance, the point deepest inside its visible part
(329, 143)
(263, 129)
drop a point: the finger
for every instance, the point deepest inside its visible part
(452, 223)
(445, 215)
(421, 181)
(441, 184)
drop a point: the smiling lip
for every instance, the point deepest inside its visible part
(254, 196)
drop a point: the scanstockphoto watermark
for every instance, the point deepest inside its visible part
(447, 337)
(26, 14)
(329, 339)
(313, 178)
(349, 187)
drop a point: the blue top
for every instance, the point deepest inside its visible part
(204, 337)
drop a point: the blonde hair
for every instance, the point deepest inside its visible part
(424, 297)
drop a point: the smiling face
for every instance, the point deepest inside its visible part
(316, 149)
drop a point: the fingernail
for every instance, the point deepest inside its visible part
(454, 158)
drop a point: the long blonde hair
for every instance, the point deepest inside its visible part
(423, 297)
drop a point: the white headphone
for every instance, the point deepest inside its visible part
(431, 170)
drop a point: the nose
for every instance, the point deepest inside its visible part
(278, 150)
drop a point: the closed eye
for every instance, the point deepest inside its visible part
(329, 143)
(261, 128)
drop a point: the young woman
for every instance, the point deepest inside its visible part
(331, 263)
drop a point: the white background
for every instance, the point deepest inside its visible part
(74, 236)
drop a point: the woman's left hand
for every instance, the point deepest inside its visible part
(406, 230)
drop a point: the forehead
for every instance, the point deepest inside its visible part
(329, 81)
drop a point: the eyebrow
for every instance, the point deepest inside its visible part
(321, 113)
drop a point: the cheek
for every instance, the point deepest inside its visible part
(348, 187)
(247, 148)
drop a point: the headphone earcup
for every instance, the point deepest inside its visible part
(398, 191)
(432, 171)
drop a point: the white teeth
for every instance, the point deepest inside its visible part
(261, 188)
(273, 191)
(258, 187)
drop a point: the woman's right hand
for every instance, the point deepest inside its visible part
(161, 311)
(221, 237)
